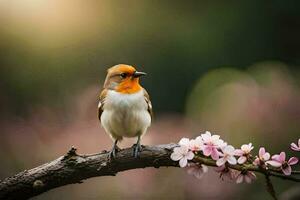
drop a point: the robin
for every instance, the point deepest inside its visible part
(124, 108)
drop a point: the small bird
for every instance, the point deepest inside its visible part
(124, 108)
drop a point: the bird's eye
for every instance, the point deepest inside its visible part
(123, 75)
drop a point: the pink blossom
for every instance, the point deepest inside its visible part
(247, 177)
(196, 144)
(182, 154)
(295, 147)
(211, 144)
(279, 161)
(184, 142)
(193, 144)
(225, 172)
(197, 170)
(227, 155)
(222, 144)
(243, 152)
(262, 157)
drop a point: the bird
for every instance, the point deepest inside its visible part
(124, 107)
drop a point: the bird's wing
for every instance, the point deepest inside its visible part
(147, 99)
(101, 103)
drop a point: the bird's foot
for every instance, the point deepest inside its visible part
(112, 154)
(137, 148)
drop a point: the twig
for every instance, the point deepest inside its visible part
(270, 187)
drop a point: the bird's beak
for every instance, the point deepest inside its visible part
(138, 74)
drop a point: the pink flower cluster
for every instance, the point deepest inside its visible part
(226, 155)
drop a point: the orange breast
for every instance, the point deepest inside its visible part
(129, 86)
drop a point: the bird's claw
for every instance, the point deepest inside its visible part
(112, 154)
(136, 150)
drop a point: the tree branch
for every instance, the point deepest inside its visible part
(73, 168)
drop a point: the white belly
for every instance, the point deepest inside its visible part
(125, 115)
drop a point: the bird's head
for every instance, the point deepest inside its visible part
(123, 78)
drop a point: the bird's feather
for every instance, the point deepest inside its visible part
(148, 101)
(101, 102)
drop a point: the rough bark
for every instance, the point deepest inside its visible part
(74, 168)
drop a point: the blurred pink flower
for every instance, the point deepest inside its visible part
(227, 156)
(262, 157)
(196, 170)
(211, 143)
(243, 152)
(279, 161)
(182, 154)
(295, 147)
(225, 172)
(196, 144)
(247, 177)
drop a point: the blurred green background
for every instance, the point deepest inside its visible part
(230, 67)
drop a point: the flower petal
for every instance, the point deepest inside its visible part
(183, 149)
(247, 147)
(199, 141)
(206, 136)
(177, 150)
(221, 144)
(204, 168)
(282, 156)
(176, 156)
(183, 162)
(274, 163)
(293, 161)
(238, 152)
(221, 162)
(231, 160)
(215, 154)
(266, 156)
(276, 157)
(287, 170)
(190, 155)
(199, 138)
(184, 141)
(256, 161)
(207, 150)
(215, 139)
(240, 178)
(229, 150)
(295, 147)
(252, 175)
(251, 147)
(195, 145)
(261, 152)
(242, 159)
